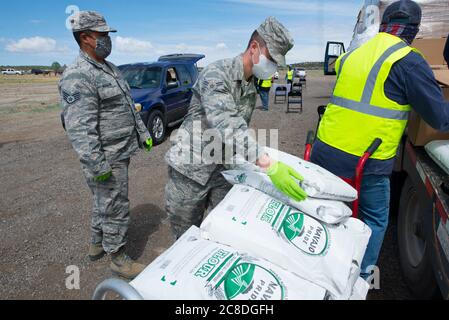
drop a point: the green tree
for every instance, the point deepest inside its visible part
(56, 66)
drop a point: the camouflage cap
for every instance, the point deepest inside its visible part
(89, 20)
(278, 39)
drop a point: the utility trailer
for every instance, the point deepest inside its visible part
(423, 227)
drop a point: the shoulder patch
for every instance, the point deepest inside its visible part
(211, 84)
(71, 98)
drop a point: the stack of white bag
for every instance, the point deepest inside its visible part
(260, 245)
(197, 269)
(327, 194)
(327, 255)
(326, 191)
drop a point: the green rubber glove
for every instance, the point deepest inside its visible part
(283, 177)
(149, 144)
(104, 177)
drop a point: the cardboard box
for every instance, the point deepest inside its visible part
(419, 132)
(442, 76)
(432, 49)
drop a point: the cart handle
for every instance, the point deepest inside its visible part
(310, 137)
(321, 110)
(309, 142)
(374, 146)
(359, 172)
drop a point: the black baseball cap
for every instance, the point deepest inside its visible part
(403, 11)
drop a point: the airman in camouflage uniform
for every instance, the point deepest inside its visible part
(224, 97)
(105, 132)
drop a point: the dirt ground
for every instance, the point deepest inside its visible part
(45, 204)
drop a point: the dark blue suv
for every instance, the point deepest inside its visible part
(162, 90)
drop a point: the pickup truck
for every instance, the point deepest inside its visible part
(162, 90)
(423, 222)
(11, 72)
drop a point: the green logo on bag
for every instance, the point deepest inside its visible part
(241, 178)
(294, 226)
(306, 234)
(251, 282)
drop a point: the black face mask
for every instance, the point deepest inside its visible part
(104, 47)
(406, 32)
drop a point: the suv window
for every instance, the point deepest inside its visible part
(184, 76)
(171, 75)
(142, 77)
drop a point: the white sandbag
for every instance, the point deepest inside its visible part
(361, 234)
(360, 290)
(328, 211)
(439, 152)
(349, 290)
(197, 269)
(252, 221)
(318, 182)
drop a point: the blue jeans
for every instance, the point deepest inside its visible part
(265, 97)
(374, 208)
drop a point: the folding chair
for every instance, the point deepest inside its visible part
(295, 97)
(280, 94)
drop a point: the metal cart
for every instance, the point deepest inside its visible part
(355, 182)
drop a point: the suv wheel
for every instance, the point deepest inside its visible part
(156, 126)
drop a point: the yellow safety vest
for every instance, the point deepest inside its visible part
(290, 75)
(360, 111)
(265, 83)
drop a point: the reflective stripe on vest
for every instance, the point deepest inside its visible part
(369, 109)
(364, 106)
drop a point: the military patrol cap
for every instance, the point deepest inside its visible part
(278, 39)
(89, 20)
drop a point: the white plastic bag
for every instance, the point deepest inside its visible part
(328, 211)
(318, 182)
(197, 269)
(360, 290)
(434, 24)
(252, 221)
(360, 234)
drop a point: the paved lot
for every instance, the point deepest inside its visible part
(45, 204)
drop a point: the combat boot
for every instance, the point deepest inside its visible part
(122, 265)
(96, 252)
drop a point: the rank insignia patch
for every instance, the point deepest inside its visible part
(71, 98)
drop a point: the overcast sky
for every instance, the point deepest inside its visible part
(35, 33)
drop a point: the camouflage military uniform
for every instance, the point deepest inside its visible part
(105, 131)
(222, 99)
